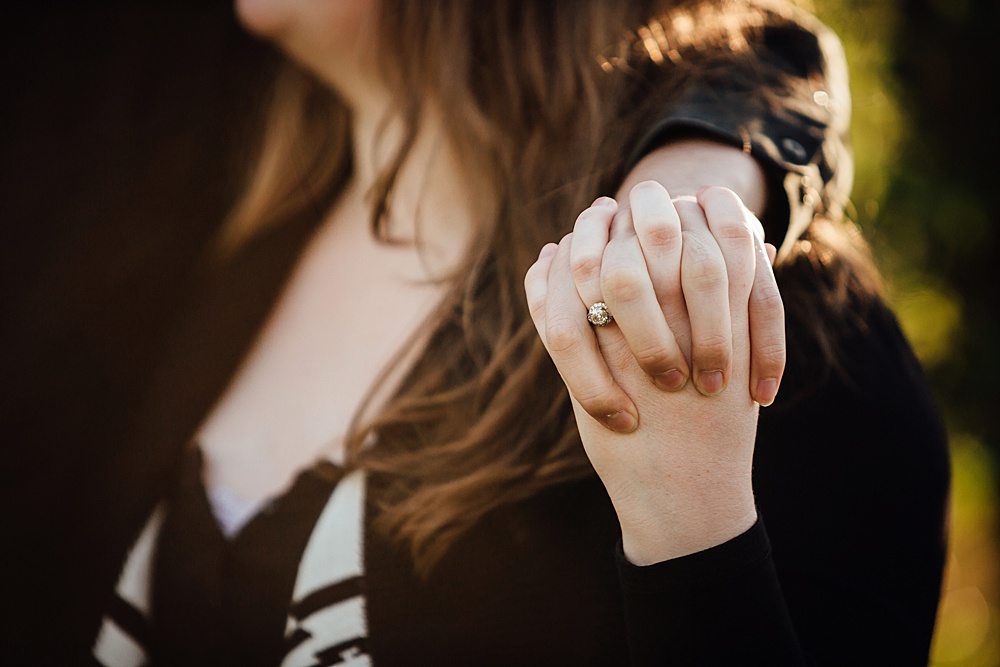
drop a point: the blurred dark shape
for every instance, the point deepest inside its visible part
(122, 128)
(124, 134)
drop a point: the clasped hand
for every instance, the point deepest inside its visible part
(664, 395)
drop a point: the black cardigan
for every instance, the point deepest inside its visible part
(846, 570)
(850, 477)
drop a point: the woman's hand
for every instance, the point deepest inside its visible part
(684, 167)
(689, 285)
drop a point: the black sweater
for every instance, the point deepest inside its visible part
(843, 567)
(850, 477)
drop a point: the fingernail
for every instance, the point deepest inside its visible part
(605, 201)
(710, 382)
(672, 380)
(622, 422)
(766, 391)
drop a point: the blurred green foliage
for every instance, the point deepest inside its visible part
(925, 195)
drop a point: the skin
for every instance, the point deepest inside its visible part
(662, 396)
(678, 467)
(684, 168)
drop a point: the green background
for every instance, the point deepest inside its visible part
(926, 196)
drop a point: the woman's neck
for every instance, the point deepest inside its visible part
(432, 203)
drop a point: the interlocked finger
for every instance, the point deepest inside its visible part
(753, 291)
(536, 287)
(731, 226)
(767, 331)
(590, 238)
(574, 349)
(658, 228)
(632, 298)
(705, 284)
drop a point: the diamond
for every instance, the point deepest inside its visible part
(598, 315)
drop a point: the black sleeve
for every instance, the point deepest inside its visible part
(790, 110)
(851, 480)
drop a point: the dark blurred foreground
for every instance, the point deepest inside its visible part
(122, 135)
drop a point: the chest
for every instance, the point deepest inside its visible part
(343, 330)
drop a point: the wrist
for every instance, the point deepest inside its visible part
(684, 525)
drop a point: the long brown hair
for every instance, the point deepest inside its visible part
(546, 98)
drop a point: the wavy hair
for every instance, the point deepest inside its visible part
(546, 99)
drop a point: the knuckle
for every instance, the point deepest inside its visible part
(594, 215)
(562, 334)
(702, 266)
(770, 354)
(706, 278)
(734, 230)
(712, 346)
(598, 400)
(705, 275)
(585, 266)
(766, 299)
(698, 246)
(530, 280)
(623, 284)
(534, 291)
(654, 357)
(536, 305)
(663, 236)
(533, 274)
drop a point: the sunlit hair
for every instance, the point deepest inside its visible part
(544, 100)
